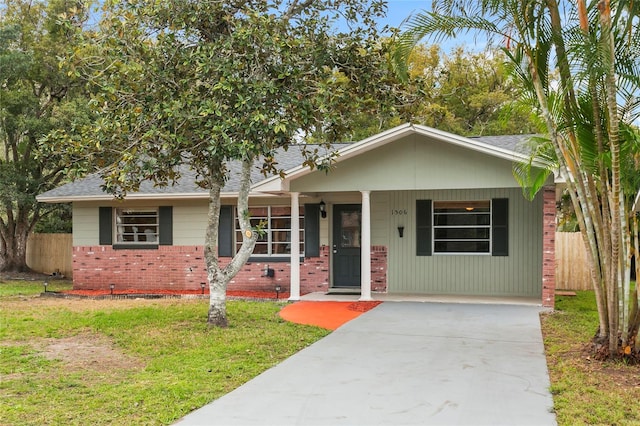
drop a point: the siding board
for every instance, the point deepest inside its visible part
(518, 274)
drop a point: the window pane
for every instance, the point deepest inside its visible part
(461, 226)
(260, 248)
(461, 206)
(276, 224)
(281, 236)
(258, 211)
(137, 226)
(461, 233)
(280, 211)
(461, 246)
(281, 248)
(459, 219)
(281, 223)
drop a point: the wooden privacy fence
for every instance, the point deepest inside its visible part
(572, 271)
(49, 253)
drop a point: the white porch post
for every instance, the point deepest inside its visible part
(294, 291)
(365, 247)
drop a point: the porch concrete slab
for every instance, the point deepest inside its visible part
(405, 364)
(435, 298)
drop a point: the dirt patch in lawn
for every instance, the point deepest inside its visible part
(92, 355)
(88, 351)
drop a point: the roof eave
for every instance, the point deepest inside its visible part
(142, 197)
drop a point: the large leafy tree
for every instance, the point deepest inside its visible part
(460, 92)
(36, 96)
(468, 93)
(580, 62)
(200, 83)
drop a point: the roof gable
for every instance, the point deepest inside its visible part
(413, 162)
(478, 149)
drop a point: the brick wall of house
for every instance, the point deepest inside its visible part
(182, 268)
(379, 268)
(548, 247)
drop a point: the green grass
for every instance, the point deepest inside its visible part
(586, 391)
(153, 361)
(129, 361)
(31, 288)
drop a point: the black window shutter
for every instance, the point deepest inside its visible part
(500, 226)
(225, 232)
(165, 228)
(423, 227)
(312, 230)
(105, 225)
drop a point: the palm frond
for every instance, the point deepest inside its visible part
(532, 174)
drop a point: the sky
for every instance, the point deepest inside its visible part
(399, 10)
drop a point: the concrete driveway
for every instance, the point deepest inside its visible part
(405, 363)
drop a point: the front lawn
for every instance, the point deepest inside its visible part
(74, 361)
(586, 391)
(81, 362)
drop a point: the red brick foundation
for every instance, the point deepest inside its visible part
(549, 248)
(182, 268)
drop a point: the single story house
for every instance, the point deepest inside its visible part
(410, 210)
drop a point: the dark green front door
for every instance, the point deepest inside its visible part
(346, 245)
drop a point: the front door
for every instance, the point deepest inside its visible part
(346, 245)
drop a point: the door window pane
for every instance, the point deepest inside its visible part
(350, 229)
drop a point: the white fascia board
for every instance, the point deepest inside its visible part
(177, 196)
(107, 197)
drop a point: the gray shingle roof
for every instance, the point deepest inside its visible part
(510, 142)
(90, 186)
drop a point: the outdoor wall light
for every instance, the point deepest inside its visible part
(111, 287)
(46, 283)
(323, 209)
(202, 287)
(268, 272)
(400, 231)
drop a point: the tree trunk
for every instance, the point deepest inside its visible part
(14, 248)
(617, 195)
(220, 277)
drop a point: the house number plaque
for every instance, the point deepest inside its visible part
(399, 212)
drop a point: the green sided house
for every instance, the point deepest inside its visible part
(412, 210)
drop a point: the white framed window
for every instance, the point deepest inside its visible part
(275, 222)
(462, 227)
(137, 225)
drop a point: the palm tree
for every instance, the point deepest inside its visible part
(580, 64)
